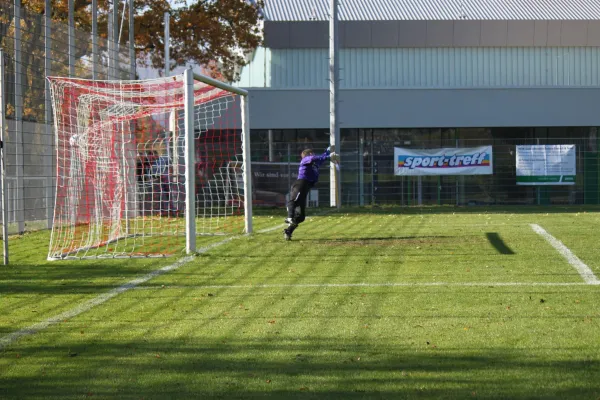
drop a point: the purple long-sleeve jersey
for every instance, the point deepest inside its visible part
(309, 167)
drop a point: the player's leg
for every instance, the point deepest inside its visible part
(300, 215)
(297, 216)
(292, 202)
(297, 220)
(295, 193)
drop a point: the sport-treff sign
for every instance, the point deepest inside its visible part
(552, 164)
(447, 161)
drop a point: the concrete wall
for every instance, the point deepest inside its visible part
(391, 34)
(413, 108)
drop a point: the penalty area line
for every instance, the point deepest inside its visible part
(88, 305)
(367, 285)
(584, 271)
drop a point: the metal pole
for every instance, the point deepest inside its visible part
(289, 164)
(372, 171)
(48, 114)
(245, 108)
(334, 129)
(190, 177)
(71, 37)
(271, 147)
(110, 44)
(115, 35)
(221, 85)
(3, 162)
(361, 172)
(131, 42)
(94, 39)
(167, 72)
(457, 179)
(19, 161)
(167, 41)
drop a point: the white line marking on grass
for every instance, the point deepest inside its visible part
(585, 271)
(10, 338)
(368, 285)
(271, 229)
(319, 214)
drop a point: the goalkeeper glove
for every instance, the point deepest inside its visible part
(331, 149)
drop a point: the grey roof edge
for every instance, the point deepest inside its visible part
(434, 10)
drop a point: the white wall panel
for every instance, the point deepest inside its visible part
(427, 68)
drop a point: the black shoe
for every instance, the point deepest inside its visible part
(287, 235)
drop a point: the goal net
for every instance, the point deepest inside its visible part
(143, 167)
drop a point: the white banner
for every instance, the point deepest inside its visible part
(552, 164)
(447, 161)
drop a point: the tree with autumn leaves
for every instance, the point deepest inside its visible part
(206, 32)
(214, 34)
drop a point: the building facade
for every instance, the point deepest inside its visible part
(431, 74)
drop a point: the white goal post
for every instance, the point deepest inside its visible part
(142, 166)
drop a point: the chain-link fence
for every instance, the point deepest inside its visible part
(35, 46)
(367, 166)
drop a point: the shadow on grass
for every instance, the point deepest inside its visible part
(61, 277)
(496, 241)
(316, 367)
(371, 239)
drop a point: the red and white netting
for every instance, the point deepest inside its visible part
(120, 147)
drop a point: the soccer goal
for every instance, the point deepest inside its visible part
(143, 167)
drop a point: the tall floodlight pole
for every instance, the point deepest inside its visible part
(171, 149)
(335, 189)
(48, 159)
(18, 118)
(71, 38)
(131, 42)
(109, 43)
(115, 36)
(167, 43)
(4, 197)
(94, 39)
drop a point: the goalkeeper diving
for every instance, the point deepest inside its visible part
(308, 176)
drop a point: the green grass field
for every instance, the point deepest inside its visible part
(449, 303)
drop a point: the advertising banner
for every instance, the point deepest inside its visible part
(546, 164)
(446, 161)
(271, 182)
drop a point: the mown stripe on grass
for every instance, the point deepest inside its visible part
(585, 271)
(12, 337)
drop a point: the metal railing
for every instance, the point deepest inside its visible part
(367, 166)
(35, 46)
